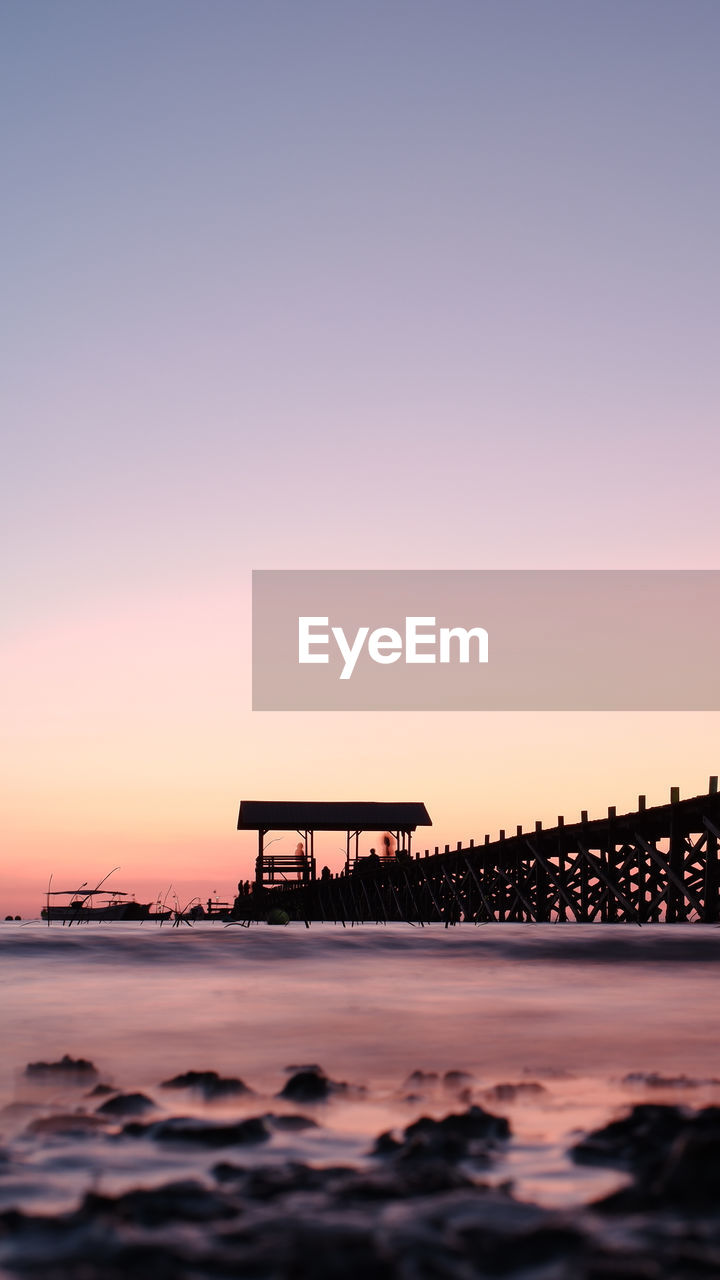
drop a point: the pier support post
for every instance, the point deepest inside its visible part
(676, 904)
(712, 871)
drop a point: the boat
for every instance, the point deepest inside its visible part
(112, 909)
(98, 904)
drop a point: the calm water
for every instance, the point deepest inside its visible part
(573, 1008)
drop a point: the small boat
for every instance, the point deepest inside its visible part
(115, 907)
(83, 905)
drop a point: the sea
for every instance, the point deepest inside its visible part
(558, 1027)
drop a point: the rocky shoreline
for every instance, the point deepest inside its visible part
(420, 1207)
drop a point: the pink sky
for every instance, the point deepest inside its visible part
(330, 287)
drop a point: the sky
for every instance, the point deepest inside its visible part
(407, 285)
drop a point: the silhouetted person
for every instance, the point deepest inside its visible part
(372, 862)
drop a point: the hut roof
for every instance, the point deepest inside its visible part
(334, 815)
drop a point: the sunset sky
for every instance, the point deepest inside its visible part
(410, 284)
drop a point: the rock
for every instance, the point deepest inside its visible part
(69, 1070)
(681, 1174)
(472, 1132)
(310, 1086)
(395, 1223)
(636, 1142)
(403, 1181)
(654, 1080)
(690, 1174)
(513, 1247)
(271, 1181)
(310, 1249)
(101, 1091)
(512, 1092)
(209, 1084)
(291, 1123)
(419, 1078)
(457, 1079)
(386, 1145)
(185, 1201)
(466, 1125)
(193, 1131)
(126, 1104)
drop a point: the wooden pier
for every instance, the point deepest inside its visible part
(651, 865)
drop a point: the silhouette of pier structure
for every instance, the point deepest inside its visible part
(653, 864)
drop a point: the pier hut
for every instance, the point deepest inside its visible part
(308, 816)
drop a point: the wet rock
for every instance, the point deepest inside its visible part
(308, 1249)
(310, 1086)
(386, 1145)
(101, 1091)
(186, 1201)
(472, 1132)
(402, 1181)
(88, 1254)
(273, 1181)
(418, 1079)
(506, 1092)
(291, 1123)
(297, 1223)
(457, 1079)
(193, 1131)
(343, 1184)
(467, 1125)
(690, 1174)
(209, 1084)
(636, 1142)
(500, 1247)
(126, 1104)
(655, 1080)
(68, 1070)
(683, 1175)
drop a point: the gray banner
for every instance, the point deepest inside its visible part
(496, 640)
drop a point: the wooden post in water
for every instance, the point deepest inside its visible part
(676, 909)
(712, 878)
(641, 863)
(584, 872)
(542, 914)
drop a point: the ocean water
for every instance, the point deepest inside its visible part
(566, 1012)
